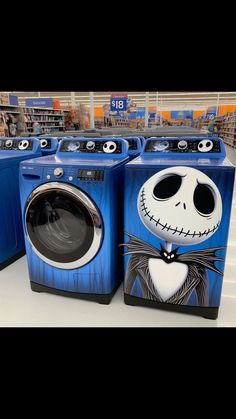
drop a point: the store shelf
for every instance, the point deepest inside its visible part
(9, 106)
(12, 112)
(56, 117)
(45, 114)
(41, 120)
(49, 127)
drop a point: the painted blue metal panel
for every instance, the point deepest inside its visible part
(219, 171)
(11, 238)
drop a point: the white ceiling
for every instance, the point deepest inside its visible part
(161, 100)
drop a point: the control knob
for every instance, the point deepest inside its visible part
(9, 143)
(182, 144)
(90, 145)
(58, 172)
(23, 145)
(44, 143)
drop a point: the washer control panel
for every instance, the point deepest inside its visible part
(183, 145)
(16, 145)
(91, 146)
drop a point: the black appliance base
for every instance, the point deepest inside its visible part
(99, 298)
(11, 260)
(206, 312)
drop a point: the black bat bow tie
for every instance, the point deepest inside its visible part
(168, 257)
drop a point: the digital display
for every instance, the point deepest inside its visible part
(88, 174)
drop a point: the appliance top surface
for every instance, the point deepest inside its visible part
(55, 160)
(155, 161)
(14, 156)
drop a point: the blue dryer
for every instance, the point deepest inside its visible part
(72, 206)
(178, 196)
(12, 152)
(48, 145)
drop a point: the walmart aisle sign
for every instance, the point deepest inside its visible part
(118, 103)
(41, 101)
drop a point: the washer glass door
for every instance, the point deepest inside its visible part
(63, 225)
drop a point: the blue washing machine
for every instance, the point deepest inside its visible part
(48, 145)
(178, 196)
(12, 152)
(72, 206)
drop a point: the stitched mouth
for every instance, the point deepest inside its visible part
(167, 227)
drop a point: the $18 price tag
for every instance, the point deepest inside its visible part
(118, 103)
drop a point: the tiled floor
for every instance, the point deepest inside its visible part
(19, 306)
(231, 154)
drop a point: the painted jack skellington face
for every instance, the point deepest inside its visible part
(109, 147)
(180, 205)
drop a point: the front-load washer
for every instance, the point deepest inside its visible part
(12, 152)
(72, 208)
(178, 196)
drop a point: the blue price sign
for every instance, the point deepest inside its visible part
(118, 103)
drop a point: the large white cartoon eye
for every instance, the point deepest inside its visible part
(204, 199)
(109, 147)
(205, 145)
(23, 145)
(167, 187)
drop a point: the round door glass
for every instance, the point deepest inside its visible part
(59, 226)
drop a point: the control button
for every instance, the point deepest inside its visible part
(58, 172)
(44, 143)
(204, 146)
(90, 145)
(182, 144)
(48, 176)
(9, 143)
(70, 178)
(23, 145)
